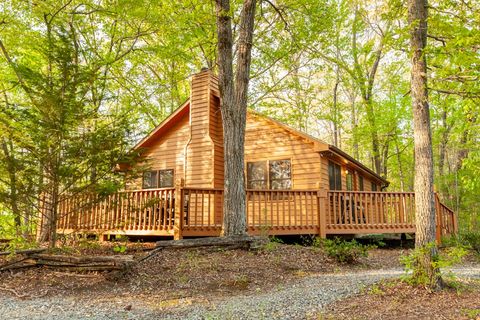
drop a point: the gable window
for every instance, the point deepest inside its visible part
(158, 179)
(374, 186)
(272, 174)
(334, 176)
(360, 183)
(349, 180)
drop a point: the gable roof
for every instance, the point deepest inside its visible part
(321, 146)
(164, 126)
(318, 145)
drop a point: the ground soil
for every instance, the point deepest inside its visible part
(191, 272)
(397, 300)
(172, 277)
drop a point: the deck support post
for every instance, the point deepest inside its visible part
(322, 213)
(178, 220)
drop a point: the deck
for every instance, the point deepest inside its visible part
(153, 212)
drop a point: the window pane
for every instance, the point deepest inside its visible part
(259, 184)
(349, 181)
(331, 175)
(280, 169)
(281, 184)
(374, 187)
(338, 177)
(149, 179)
(166, 178)
(280, 174)
(360, 183)
(257, 175)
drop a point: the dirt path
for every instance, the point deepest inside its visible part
(300, 300)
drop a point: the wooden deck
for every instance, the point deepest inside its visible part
(271, 212)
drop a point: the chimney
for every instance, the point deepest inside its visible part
(204, 152)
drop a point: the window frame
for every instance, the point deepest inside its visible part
(361, 186)
(334, 169)
(349, 183)
(268, 179)
(173, 178)
(374, 187)
(265, 179)
(157, 174)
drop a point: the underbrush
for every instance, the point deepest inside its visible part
(443, 260)
(344, 251)
(469, 240)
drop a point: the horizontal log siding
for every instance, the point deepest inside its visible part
(200, 149)
(167, 153)
(265, 141)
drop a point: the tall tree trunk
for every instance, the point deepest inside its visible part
(233, 104)
(12, 182)
(401, 175)
(335, 112)
(424, 196)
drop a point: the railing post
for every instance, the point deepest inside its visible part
(438, 224)
(322, 213)
(178, 220)
(454, 222)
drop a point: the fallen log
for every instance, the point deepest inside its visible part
(73, 263)
(28, 251)
(230, 243)
(233, 241)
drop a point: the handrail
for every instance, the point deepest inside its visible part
(293, 211)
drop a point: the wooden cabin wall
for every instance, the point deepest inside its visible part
(266, 141)
(167, 153)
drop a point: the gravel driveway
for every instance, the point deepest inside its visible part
(301, 300)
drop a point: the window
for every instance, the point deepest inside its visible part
(257, 175)
(360, 183)
(158, 179)
(349, 179)
(165, 178)
(280, 174)
(374, 186)
(149, 179)
(273, 174)
(334, 176)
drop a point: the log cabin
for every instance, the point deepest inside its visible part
(296, 184)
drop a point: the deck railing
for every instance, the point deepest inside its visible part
(350, 210)
(200, 212)
(150, 209)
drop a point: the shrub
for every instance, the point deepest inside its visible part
(469, 240)
(345, 251)
(416, 276)
(472, 240)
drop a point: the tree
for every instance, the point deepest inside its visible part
(233, 105)
(424, 196)
(62, 116)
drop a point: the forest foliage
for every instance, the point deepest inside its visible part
(81, 81)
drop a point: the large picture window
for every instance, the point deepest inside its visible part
(272, 174)
(334, 176)
(158, 179)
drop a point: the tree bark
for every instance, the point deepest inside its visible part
(233, 105)
(424, 196)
